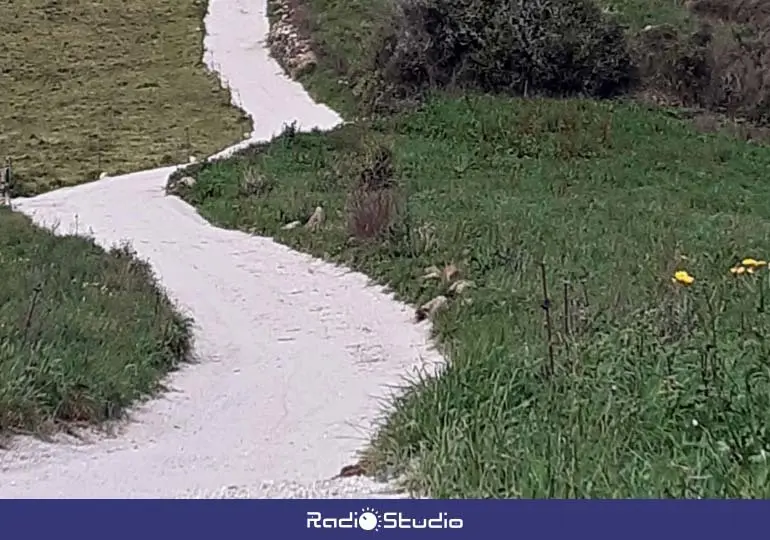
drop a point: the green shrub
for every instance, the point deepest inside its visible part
(719, 68)
(520, 47)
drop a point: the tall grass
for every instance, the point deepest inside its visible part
(83, 333)
(571, 218)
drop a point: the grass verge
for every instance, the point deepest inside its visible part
(578, 368)
(110, 87)
(83, 333)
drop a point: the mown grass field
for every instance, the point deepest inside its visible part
(83, 333)
(116, 87)
(649, 388)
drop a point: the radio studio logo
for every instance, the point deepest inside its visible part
(370, 519)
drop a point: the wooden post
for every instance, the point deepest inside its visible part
(5, 182)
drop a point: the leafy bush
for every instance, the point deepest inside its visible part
(722, 68)
(672, 65)
(755, 12)
(521, 47)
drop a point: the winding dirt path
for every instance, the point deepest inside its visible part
(294, 352)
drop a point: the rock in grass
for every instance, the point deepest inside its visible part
(449, 273)
(429, 309)
(292, 225)
(432, 272)
(459, 286)
(304, 62)
(316, 220)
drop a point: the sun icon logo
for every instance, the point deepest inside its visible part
(369, 520)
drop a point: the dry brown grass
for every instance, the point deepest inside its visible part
(371, 212)
(109, 86)
(373, 199)
(723, 67)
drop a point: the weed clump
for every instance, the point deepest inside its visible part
(519, 47)
(372, 203)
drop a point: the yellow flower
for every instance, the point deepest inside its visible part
(737, 270)
(683, 278)
(752, 263)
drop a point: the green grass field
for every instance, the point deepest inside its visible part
(637, 14)
(579, 365)
(83, 333)
(649, 388)
(110, 87)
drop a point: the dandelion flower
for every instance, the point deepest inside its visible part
(683, 278)
(752, 263)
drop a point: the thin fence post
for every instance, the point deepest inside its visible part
(6, 182)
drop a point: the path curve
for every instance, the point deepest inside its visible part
(294, 352)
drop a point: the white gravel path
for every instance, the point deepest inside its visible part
(294, 353)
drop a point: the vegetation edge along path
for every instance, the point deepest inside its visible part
(613, 312)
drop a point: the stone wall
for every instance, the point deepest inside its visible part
(285, 40)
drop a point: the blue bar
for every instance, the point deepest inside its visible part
(299, 519)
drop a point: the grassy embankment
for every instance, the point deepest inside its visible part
(579, 367)
(83, 333)
(88, 88)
